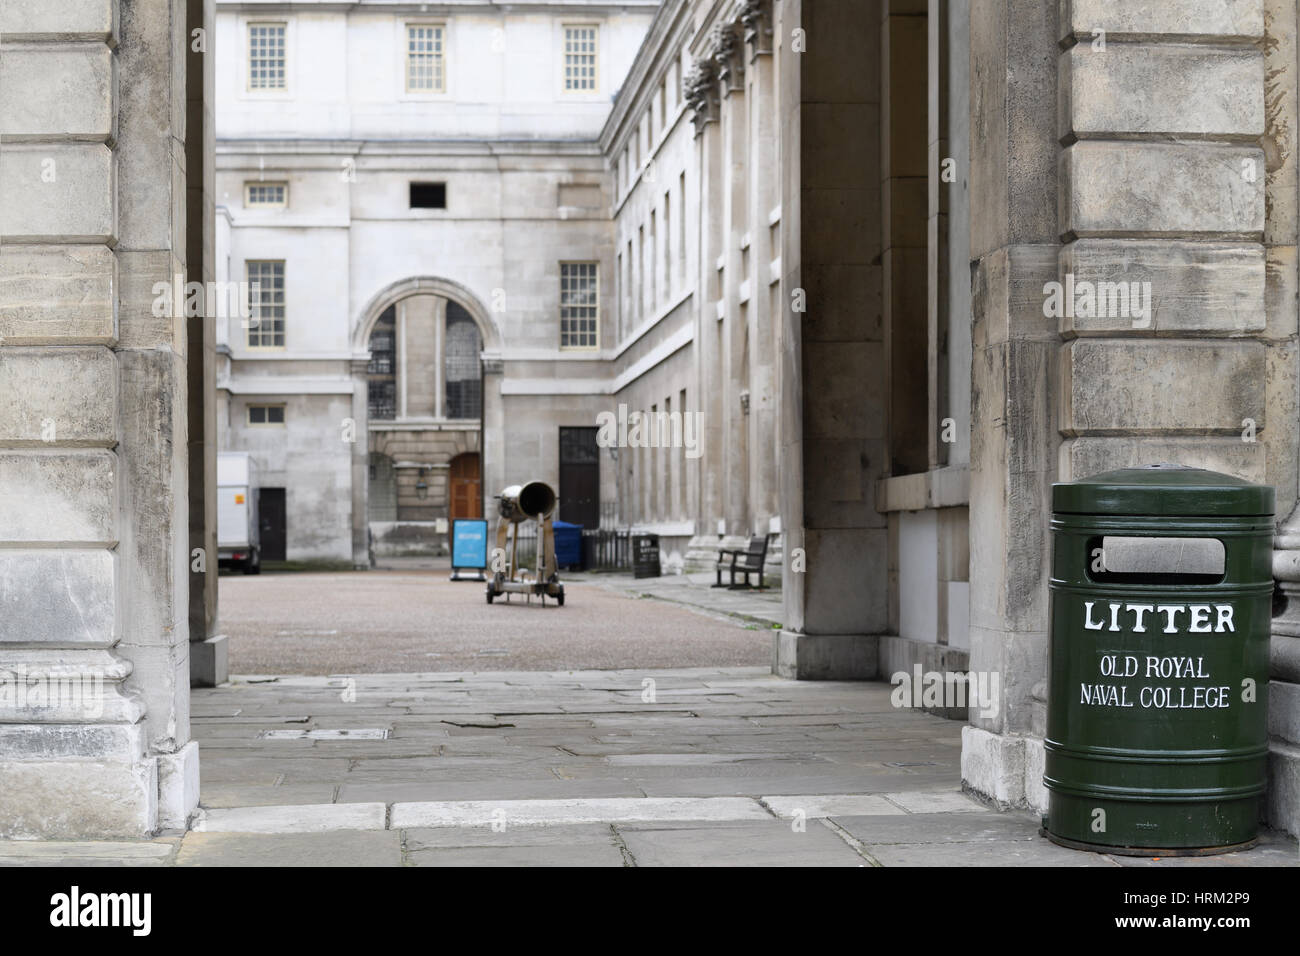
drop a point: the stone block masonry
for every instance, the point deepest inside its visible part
(94, 711)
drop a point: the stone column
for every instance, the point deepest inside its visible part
(1014, 247)
(903, 154)
(700, 89)
(94, 565)
(764, 197)
(360, 463)
(831, 393)
(208, 666)
(938, 264)
(492, 438)
(729, 55)
(1160, 187)
(1282, 802)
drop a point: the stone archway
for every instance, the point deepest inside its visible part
(426, 285)
(433, 402)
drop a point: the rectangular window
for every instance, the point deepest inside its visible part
(381, 397)
(580, 59)
(639, 294)
(681, 225)
(652, 268)
(628, 314)
(428, 195)
(266, 56)
(579, 305)
(668, 243)
(265, 304)
(266, 414)
(425, 66)
(620, 283)
(266, 195)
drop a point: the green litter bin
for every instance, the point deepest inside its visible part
(1158, 692)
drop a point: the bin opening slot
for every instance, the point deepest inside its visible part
(1147, 560)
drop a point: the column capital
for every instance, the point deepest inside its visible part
(729, 55)
(700, 90)
(756, 15)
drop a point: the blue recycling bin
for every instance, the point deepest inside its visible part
(568, 544)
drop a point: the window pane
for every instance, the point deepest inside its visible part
(265, 194)
(382, 400)
(580, 58)
(464, 392)
(266, 56)
(275, 415)
(424, 58)
(257, 414)
(579, 305)
(428, 195)
(382, 385)
(265, 304)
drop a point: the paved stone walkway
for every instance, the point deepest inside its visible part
(696, 591)
(706, 766)
(383, 622)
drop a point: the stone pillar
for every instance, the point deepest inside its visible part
(729, 55)
(938, 259)
(492, 437)
(1160, 303)
(700, 89)
(831, 391)
(208, 662)
(94, 568)
(360, 463)
(764, 198)
(1282, 802)
(903, 156)
(1014, 247)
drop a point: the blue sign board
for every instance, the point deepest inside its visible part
(469, 544)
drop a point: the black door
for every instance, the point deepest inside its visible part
(270, 512)
(580, 477)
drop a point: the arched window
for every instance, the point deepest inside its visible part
(464, 387)
(382, 370)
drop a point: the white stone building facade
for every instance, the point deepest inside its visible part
(835, 243)
(426, 182)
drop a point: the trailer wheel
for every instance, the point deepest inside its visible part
(489, 592)
(253, 563)
(559, 596)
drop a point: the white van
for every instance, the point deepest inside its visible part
(238, 542)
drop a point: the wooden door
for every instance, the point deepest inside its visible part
(465, 491)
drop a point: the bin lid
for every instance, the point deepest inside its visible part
(1165, 489)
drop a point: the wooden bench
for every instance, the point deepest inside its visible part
(747, 562)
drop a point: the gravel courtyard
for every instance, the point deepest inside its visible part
(375, 622)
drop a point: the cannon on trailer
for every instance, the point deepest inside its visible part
(534, 501)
